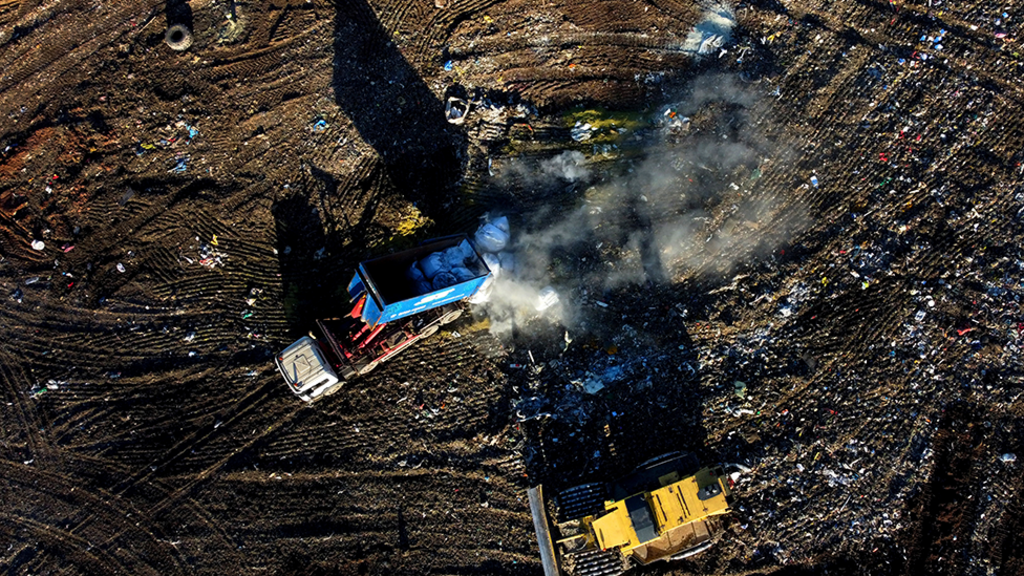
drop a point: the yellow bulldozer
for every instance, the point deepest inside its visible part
(669, 508)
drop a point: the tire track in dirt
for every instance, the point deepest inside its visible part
(383, 513)
(346, 434)
(59, 493)
(16, 386)
(63, 545)
(70, 52)
(136, 486)
(208, 534)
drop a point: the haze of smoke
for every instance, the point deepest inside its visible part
(569, 166)
(678, 212)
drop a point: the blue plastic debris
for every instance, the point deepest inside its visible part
(448, 66)
(814, 181)
(320, 125)
(181, 165)
(192, 131)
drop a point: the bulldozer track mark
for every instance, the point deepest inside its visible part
(247, 65)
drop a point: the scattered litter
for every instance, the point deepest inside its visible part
(546, 299)
(741, 389)
(456, 110)
(180, 165)
(38, 245)
(581, 132)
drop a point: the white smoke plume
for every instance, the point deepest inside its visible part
(688, 204)
(568, 166)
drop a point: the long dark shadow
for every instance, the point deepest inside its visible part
(392, 108)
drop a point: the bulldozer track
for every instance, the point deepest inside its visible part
(582, 500)
(597, 563)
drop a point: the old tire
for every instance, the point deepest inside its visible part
(178, 37)
(452, 316)
(429, 331)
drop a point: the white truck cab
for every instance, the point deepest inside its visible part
(305, 370)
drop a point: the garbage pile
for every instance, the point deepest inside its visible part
(440, 270)
(492, 239)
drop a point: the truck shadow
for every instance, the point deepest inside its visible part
(312, 287)
(393, 109)
(319, 240)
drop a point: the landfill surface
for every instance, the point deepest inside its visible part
(781, 234)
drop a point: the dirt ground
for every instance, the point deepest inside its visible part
(836, 225)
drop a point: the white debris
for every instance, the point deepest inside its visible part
(546, 299)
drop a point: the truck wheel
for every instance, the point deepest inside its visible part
(429, 331)
(451, 316)
(368, 368)
(178, 37)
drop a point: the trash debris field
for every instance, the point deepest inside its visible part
(782, 234)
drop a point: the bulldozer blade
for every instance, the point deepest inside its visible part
(543, 528)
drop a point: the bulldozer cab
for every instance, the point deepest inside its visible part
(668, 508)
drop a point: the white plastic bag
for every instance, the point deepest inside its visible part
(414, 273)
(502, 224)
(546, 299)
(508, 262)
(458, 255)
(454, 256)
(484, 293)
(490, 238)
(493, 264)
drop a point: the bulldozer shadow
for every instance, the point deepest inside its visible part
(617, 397)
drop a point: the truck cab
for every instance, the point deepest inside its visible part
(306, 370)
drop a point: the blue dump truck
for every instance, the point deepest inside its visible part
(394, 305)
